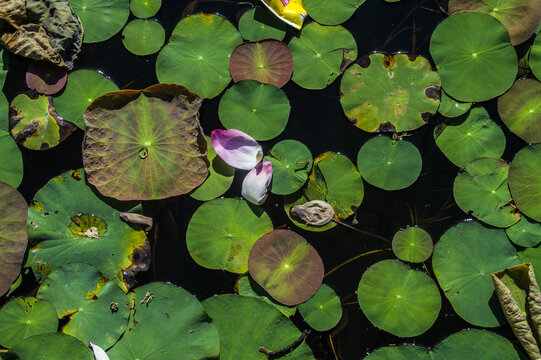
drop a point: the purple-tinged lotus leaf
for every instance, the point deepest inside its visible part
(236, 148)
(256, 182)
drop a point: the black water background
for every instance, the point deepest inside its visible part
(318, 121)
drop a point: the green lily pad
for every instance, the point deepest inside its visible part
(191, 58)
(534, 59)
(145, 8)
(222, 231)
(259, 110)
(131, 152)
(50, 346)
(248, 287)
(4, 66)
(525, 233)
(525, 181)
(322, 311)
(259, 23)
(393, 92)
(412, 244)
(291, 162)
(474, 56)
(401, 352)
(331, 13)
(245, 324)
(520, 109)
(397, 299)
(220, 177)
(481, 190)
(320, 53)
(35, 124)
(69, 222)
(13, 238)
(143, 37)
(11, 166)
(268, 61)
(82, 88)
(24, 317)
(463, 260)
(469, 137)
(299, 198)
(284, 264)
(452, 108)
(101, 20)
(98, 309)
(167, 322)
(532, 255)
(389, 164)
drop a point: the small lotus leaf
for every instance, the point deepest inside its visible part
(248, 287)
(412, 244)
(50, 346)
(525, 181)
(322, 311)
(143, 37)
(534, 59)
(11, 166)
(101, 21)
(259, 23)
(401, 352)
(331, 13)
(145, 8)
(525, 233)
(452, 108)
(45, 78)
(291, 162)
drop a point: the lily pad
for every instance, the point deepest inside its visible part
(167, 321)
(11, 166)
(481, 190)
(256, 109)
(520, 109)
(145, 144)
(69, 222)
(331, 13)
(397, 299)
(259, 23)
(50, 346)
(322, 311)
(412, 244)
(245, 324)
(291, 162)
(145, 8)
(389, 164)
(268, 61)
(299, 198)
(143, 37)
(469, 137)
(35, 124)
(221, 233)
(45, 78)
(101, 20)
(320, 54)
(393, 92)
(286, 266)
(98, 309)
(191, 58)
(248, 287)
(25, 317)
(525, 233)
(82, 88)
(401, 352)
(463, 260)
(13, 238)
(525, 181)
(452, 108)
(474, 56)
(534, 59)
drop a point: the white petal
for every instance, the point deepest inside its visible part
(99, 354)
(236, 148)
(254, 186)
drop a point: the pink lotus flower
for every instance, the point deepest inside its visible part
(236, 148)
(256, 182)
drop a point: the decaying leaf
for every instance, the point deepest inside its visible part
(137, 219)
(315, 212)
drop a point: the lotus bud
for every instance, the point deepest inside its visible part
(254, 186)
(99, 354)
(236, 148)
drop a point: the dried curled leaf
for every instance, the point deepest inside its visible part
(13, 11)
(315, 212)
(139, 219)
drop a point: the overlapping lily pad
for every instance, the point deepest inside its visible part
(413, 244)
(397, 299)
(259, 23)
(525, 233)
(45, 78)
(450, 107)
(50, 346)
(534, 59)
(322, 311)
(401, 352)
(331, 13)
(11, 166)
(246, 286)
(101, 20)
(393, 92)
(191, 58)
(286, 266)
(525, 181)
(145, 144)
(145, 8)
(143, 37)
(320, 54)
(291, 162)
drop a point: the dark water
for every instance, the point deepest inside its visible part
(318, 121)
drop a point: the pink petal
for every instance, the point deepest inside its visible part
(256, 182)
(236, 148)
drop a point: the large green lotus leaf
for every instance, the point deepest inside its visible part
(525, 181)
(167, 323)
(143, 37)
(145, 144)
(98, 309)
(101, 20)
(259, 23)
(11, 166)
(13, 238)
(268, 61)
(35, 124)
(401, 352)
(331, 12)
(24, 317)
(452, 108)
(389, 164)
(474, 57)
(50, 346)
(220, 177)
(412, 244)
(322, 311)
(463, 260)
(520, 109)
(259, 110)
(397, 299)
(299, 198)
(525, 233)
(291, 162)
(245, 324)
(69, 222)
(222, 231)
(320, 53)
(393, 92)
(520, 17)
(192, 57)
(534, 59)
(145, 8)
(284, 264)
(481, 190)
(246, 286)
(469, 137)
(83, 87)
